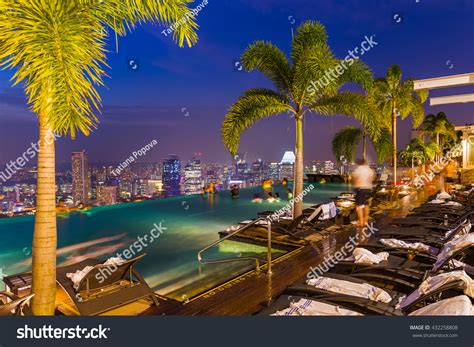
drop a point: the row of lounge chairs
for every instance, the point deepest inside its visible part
(424, 267)
(313, 219)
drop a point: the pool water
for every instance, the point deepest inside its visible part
(188, 224)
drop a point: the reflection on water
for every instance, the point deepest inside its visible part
(171, 263)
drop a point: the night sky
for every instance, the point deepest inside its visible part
(179, 96)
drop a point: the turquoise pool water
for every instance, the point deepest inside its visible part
(189, 223)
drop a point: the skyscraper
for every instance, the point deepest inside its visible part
(81, 178)
(273, 171)
(193, 181)
(172, 175)
(257, 171)
(287, 165)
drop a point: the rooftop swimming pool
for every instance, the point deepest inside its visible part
(189, 223)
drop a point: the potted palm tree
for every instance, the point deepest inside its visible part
(293, 80)
(57, 49)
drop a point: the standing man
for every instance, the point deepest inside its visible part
(362, 178)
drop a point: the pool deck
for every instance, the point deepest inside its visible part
(251, 292)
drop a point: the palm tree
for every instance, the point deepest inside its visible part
(439, 127)
(396, 98)
(346, 141)
(295, 90)
(418, 151)
(57, 49)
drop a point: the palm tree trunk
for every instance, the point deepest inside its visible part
(44, 237)
(364, 146)
(298, 170)
(394, 141)
(439, 146)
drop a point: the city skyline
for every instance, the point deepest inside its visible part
(196, 86)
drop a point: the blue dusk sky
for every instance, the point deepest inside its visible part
(179, 96)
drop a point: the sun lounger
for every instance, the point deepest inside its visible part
(287, 305)
(104, 287)
(351, 288)
(10, 304)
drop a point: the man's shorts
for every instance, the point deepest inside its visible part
(362, 196)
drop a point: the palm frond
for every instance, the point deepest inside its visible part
(59, 56)
(270, 61)
(383, 146)
(254, 106)
(124, 15)
(57, 49)
(351, 104)
(358, 72)
(345, 142)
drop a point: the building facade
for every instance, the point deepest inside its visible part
(81, 178)
(172, 176)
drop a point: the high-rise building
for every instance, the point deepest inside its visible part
(329, 167)
(193, 181)
(257, 171)
(81, 178)
(240, 166)
(274, 171)
(287, 165)
(107, 195)
(172, 175)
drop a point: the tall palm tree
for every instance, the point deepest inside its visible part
(439, 127)
(57, 49)
(346, 141)
(396, 98)
(294, 81)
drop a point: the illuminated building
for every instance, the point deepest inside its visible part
(81, 178)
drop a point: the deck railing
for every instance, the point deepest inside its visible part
(228, 260)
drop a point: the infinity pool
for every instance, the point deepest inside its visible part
(189, 223)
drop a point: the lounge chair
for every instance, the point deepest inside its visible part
(404, 302)
(289, 305)
(102, 289)
(10, 304)
(433, 236)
